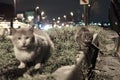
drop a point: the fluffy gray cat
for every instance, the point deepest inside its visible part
(31, 45)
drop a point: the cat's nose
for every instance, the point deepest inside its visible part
(86, 40)
(23, 43)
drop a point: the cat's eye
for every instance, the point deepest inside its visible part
(27, 37)
(19, 38)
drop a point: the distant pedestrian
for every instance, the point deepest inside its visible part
(38, 17)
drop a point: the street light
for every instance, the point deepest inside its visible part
(42, 13)
(64, 17)
(58, 18)
(71, 13)
(37, 8)
(53, 19)
(53, 22)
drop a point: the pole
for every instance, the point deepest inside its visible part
(15, 7)
(11, 23)
(11, 20)
(85, 14)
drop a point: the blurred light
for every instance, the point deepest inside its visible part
(71, 13)
(47, 27)
(20, 16)
(58, 21)
(95, 24)
(108, 24)
(67, 25)
(64, 16)
(43, 18)
(62, 24)
(53, 19)
(105, 24)
(99, 24)
(116, 23)
(37, 7)
(30, 18)
(42, 13)
(89, 5)
(58, 18)
(55, 25)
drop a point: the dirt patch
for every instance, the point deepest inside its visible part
(109, 66)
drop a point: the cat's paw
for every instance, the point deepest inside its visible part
(37, 66)
(21, 66)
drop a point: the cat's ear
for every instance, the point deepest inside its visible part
(12, 31)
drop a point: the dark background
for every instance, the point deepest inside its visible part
(58, 8)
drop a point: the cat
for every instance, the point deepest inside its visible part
(88, 44)
(84, 38)
(3, 33)
(31, 45)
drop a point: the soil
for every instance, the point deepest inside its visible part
(109, 66)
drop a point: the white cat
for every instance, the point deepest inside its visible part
(31, 45)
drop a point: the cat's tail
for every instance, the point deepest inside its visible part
(50, 42)
(46, 40)
(45, 36)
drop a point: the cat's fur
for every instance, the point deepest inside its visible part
(31, 45)
(84, 38)
(3, 32)
(89, 44)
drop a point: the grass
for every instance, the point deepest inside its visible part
(64, 54)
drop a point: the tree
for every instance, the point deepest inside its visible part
(114, 17)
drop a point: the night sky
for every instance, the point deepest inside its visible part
(57, 8)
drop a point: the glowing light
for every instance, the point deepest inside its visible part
(71, 13)
(42, 13)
